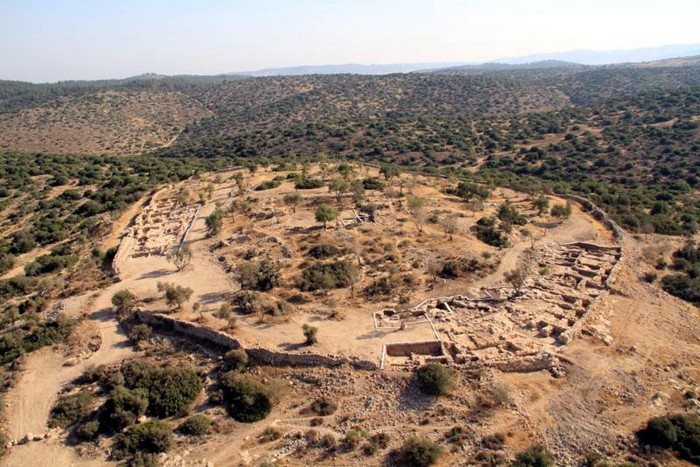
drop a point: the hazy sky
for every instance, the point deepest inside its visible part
(49, 40)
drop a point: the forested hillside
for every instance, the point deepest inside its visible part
(625, 136)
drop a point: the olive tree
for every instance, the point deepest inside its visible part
(180, 257)
(326, 214)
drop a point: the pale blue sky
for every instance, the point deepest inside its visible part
(49, 40)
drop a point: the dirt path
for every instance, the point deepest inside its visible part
(30, 400)
(46, 372)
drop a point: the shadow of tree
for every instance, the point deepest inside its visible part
(156, 274)
(289, 346)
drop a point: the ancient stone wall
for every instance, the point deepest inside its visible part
(597, 213)
(195, 331)
(274, 358)
(210, 337)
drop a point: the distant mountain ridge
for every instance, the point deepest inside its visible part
(348, 68)
(534, 61)
(592, 57)
(497, 66)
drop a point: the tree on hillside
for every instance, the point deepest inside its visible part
(180, 257)
(240, 181)
(338, 186)
(124, 301)
(468, 191)
(390, 171)
(310, 333)
(417, 207)
(175, 295)
(475, 205)
(450, 225)
(214, 222)
(516, 278)
(541, 203)
(357, 187)
(559, 210)
(237, 206)
(293, 200)
(326, 214)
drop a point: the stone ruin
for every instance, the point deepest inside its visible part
(161, 226)
(251, 242)
(357, 218)
(494, 327)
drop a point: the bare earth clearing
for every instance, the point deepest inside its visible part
(578, 360)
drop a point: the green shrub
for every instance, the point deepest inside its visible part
(6, 262)
(685, 284)
(325, 250)
(69, 409)
(382, 287)
(559, 210)
(236, 360)
(679, 432)
(31, 337)
(308, 183)
(352, 439)
(486, 231)
(247, 301)
(196, 425)
(435, 379)
(247, 400)
(88, 430)
(151, 437)
(262, 276)
(460, 267)
(372, 184)
(123, 408)
(49, 263)
(659, 432)
(171, 391)
(269, 184)
(140, 333)
(421, 452)
(124, 301)
(3, 444)
(323, 407)
(536, 456)
(327, 276)
(310, 334)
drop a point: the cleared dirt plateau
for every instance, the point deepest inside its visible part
(635, 358)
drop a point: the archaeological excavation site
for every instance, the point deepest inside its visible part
(355, 315)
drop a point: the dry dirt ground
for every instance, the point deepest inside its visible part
(605, 392)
